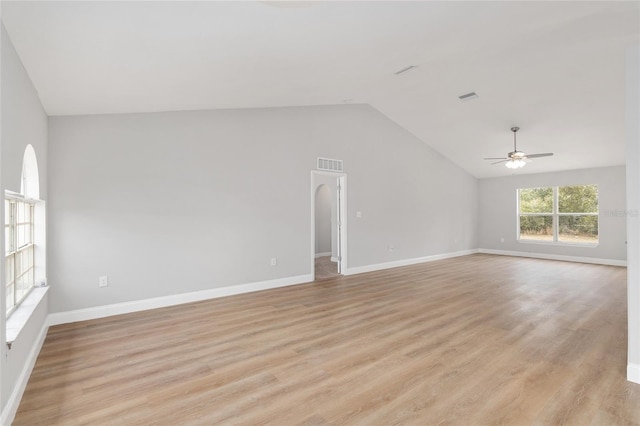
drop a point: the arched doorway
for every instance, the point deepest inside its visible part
(328, 226)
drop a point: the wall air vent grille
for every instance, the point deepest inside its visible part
(329, 165)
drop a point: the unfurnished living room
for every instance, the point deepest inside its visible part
(314, 213)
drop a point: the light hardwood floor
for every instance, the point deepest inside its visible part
(479, 339)
(325, 268)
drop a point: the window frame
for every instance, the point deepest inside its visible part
(555, 218)
(13, 251)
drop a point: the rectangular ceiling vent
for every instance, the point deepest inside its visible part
(403, 70)
(329, 165)
(468, 96)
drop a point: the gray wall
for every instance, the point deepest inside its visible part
(498, 212)
(167, 203)
(23, 122)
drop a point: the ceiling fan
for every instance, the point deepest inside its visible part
(516, 159)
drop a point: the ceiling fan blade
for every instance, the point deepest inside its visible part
(501, 161)
(546, 154)
(496, 158)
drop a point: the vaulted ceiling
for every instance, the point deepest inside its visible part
(556, 69)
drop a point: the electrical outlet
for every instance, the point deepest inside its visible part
(103, 281)
(274, 261)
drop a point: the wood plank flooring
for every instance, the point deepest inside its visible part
(325, 268)
(478, 340)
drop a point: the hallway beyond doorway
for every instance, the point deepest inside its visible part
(325, 268)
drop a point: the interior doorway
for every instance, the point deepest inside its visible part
(328, 233)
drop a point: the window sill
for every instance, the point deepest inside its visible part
(559, 243)
(20, 317)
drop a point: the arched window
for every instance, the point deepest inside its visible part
(30, 186)
(20, 233)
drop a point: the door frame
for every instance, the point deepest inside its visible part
(341, 178)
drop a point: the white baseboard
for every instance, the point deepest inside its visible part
(176, 299)
(328, 253)
(11, 407)
(579, 259)
(633, 372)
(406, 262)
(9, 412)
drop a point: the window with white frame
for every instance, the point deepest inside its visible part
(19, 250)
(563, 214)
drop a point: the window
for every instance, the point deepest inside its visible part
(565, 214)
(19, 250)
(536, 214)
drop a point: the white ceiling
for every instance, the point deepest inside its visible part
(556, 69)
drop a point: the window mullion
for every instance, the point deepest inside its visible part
(21, 227)
(14, 245)
(32, 221)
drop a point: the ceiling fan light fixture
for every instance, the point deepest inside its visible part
(515, 163)
(516, 159)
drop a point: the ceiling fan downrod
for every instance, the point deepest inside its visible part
(514, 130)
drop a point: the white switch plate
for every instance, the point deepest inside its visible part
(358, 214)
(274, 261)
(103, 281)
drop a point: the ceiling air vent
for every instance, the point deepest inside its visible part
(329, 165)
(403, 70)
(468, 96)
